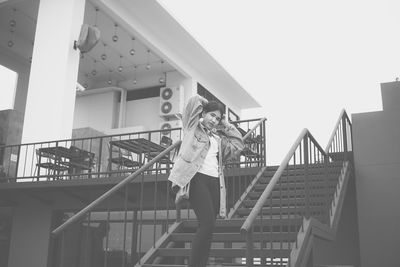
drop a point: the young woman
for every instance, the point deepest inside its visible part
(208, 142)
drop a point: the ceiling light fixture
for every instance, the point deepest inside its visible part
(148, 66)
(95, 17)
(134, 75)
(162, 78)
(109, 77)
(115, 36)
(132, 51)
(104, 56)
(120, 68)
(94, 71)
(13, 25)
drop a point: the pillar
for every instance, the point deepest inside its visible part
(54, 70)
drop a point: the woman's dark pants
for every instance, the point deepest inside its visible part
(204, 199)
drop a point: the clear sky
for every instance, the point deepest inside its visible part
(304, 61)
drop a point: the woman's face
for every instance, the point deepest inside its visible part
(211, 119)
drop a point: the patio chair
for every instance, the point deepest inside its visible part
(123, 158)
(165, 142)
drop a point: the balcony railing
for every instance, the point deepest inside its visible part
(121, 225)
(109, 155)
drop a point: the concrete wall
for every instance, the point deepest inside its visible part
(377, 166)
(143, 112)
(30, 234)
(345, 249)
(11, 122)
(95, 111)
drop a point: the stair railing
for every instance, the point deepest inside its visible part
(147, 206)
(147, 203)
(76, 217)
(302, 187)
(241, 178)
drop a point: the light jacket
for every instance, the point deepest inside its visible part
(195, 145)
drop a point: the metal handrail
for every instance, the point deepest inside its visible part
(343, 115)
(127, 180)
(267, 191)
(247, 227)
(115, 188)
(257, 208)
(254, 128)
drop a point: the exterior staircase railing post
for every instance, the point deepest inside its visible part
(307, 185)
(344, 128)
(100, 155)
(326, 195)
(178, 213)
(263, 143)
(249, 248)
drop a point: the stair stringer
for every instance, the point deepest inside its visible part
(163, 240)
(314, 228)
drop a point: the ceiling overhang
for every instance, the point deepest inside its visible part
(163, 34)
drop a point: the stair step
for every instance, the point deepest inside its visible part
(235, 237)
(284, 210)
(310, 171)
(288, 193)
(299, 185)
(224, 252)
(208, 265)
(236, 223)
(314, 201)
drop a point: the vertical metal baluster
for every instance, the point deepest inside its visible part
(305, 182)
(314, 186)
(341, 142)
(134, 253)
(294, 196)
(87, 239)
(126, 199)
(32, 162)
(280, 213)
(106, 249)
(141, 215)
(168, 201)
(271, 229)
(262, 243)
(301, 155)
(249, 248)
(26, 156)
(155, 205)
(100, 157)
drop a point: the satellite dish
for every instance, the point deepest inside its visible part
(88, 38)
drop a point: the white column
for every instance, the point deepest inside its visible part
(54, 70)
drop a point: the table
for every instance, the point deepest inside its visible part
(60, 159)
(138, 146)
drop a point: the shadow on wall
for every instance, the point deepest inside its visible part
(11, 123)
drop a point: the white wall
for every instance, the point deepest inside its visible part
(143, 112)
(95, 111)
(174, 78)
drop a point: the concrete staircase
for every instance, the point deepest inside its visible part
(280, 224)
